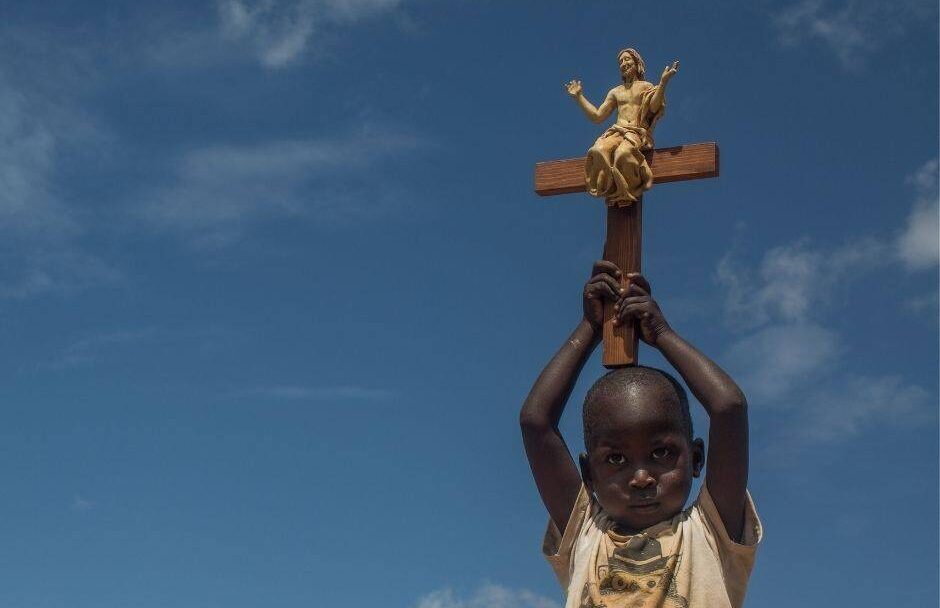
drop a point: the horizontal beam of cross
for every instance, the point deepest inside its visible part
(691, 161)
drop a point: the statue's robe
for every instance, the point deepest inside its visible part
(616, 167)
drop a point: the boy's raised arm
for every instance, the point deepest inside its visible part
(555, 472)
(727, 460)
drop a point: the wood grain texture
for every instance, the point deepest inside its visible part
(680, 163)
(623, 248)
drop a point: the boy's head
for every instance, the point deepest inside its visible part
(641, 455)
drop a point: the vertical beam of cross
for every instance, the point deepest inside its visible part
(625, 224)
(623, 248)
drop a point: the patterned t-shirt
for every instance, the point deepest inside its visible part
(686, 562)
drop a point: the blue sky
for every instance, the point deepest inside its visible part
(274, 283)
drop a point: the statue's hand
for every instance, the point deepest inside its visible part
(668, 72)
(574, 88)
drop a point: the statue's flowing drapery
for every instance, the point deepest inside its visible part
(616, 168)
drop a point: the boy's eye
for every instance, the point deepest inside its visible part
(661, 453)
(616, 458)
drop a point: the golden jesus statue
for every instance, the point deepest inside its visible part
(616, 168)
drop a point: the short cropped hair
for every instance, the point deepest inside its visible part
(615, 383)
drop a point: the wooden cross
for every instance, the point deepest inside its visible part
(624, 224)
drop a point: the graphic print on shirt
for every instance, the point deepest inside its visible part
(632, 572)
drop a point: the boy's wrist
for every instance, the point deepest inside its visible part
(664, 337)
(589, 331)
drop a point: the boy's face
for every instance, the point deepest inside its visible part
(640, 463)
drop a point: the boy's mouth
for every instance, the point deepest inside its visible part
(644, 506)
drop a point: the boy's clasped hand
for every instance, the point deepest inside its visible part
(634, 302)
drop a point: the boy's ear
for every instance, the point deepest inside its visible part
(698, 456)
(585, 471)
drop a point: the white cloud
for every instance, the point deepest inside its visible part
(774, 359)
(274, 33)
(845, 408)
(82, 504)
(27, 157)
(852, 29)
(353, 10)
(31, 269)
(786, 356)
(925, 303)
(217, 190)
(791, 279)
(279, 31)
(39, 230)
(918, 246)
(115, 346)
(89, 349)
(488, 596)
(840, 28)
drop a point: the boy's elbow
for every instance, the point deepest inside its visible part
(530, 420)
(734, 405)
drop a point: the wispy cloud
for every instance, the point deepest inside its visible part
(82, 504)
(791, 278)
(27, 155)
(210, 195)
(272, 33)
(39, 252)
(118, 345)
(852, 29)
(918, 245)
(322, 393)
(787, 356)
(92, 348)
(488, 596)
(846, 407)
(772, 360)
(30, 268)
(279, 31)
(216, 191)
(927, 303)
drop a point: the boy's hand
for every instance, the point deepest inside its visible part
(637, 303)
(604, 284)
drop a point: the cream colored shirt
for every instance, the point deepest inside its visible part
(686, 562)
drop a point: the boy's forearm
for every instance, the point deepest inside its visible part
(710, 384)
(726, 477)
(546, 401)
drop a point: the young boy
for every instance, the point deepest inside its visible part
(618, 535)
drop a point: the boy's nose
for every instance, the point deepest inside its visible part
(642, 479)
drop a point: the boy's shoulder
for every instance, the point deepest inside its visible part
(691, 550)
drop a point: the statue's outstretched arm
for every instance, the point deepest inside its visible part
(594, 114)
(656, 103)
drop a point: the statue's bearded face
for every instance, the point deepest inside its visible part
(627, 66)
